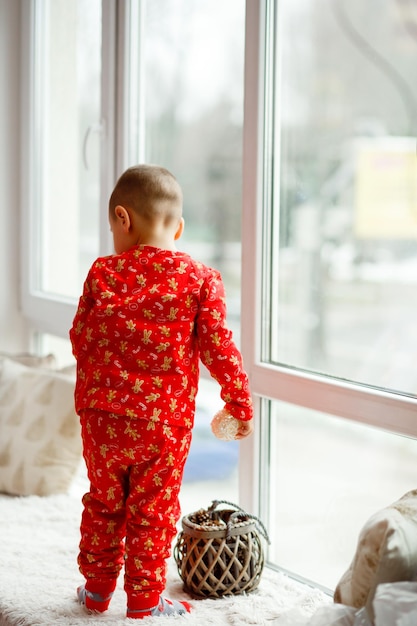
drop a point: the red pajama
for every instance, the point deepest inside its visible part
(135, 473)
(144, 321)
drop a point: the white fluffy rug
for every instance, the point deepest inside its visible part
(38, 577)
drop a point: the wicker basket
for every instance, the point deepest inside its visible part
(220, 553)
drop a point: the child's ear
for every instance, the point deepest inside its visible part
(179, 230)
(123, 217)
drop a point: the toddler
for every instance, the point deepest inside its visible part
(147, 315)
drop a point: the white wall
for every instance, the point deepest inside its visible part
(13, 334)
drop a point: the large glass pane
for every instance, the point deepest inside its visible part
(185, 112)
(67, 165)
(344, 214)
(327, 476)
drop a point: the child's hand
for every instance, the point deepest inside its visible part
(245, 429)
(228, 428)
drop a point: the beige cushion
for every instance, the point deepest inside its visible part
(386, 552)
(40, 442)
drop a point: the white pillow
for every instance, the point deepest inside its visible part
(40, 441)
(386, 553)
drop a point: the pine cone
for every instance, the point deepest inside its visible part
(200, 517)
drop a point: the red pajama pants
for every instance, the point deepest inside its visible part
(135, 470)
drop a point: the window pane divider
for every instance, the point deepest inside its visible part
(390, 411)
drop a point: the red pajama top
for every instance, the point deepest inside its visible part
(144, 320)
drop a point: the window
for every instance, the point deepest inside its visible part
(329, 290)
(173, 98)
(62, 190)
(113, 84)
(184, 110)
(327, 476)
(347, 181)
(329, 230)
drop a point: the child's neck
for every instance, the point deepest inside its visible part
(164, 243)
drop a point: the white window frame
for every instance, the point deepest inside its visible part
(385, 410)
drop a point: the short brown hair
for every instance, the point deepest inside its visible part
(149, 190)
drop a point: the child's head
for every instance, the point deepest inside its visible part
(146, 207)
